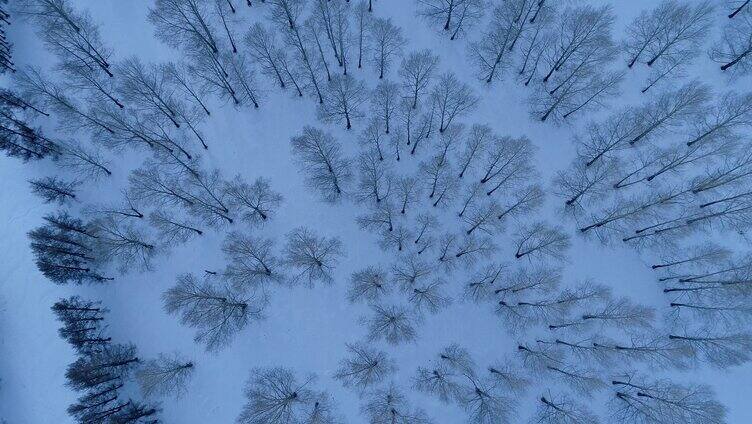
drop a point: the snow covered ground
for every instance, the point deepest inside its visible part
(306, 328)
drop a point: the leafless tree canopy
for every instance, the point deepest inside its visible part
(312, 258)
(166, 375)
(278, 396)
(215, 310)
(320, 156)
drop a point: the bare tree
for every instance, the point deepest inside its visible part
(185, 24)
(119, 210)
(621, 313)
(71, 116)
(213, 75)
(365, 367)
(535, 43)
(669, 29)
(54, 190)
(312, 27)
(523, 200)
(381, 217)
(738, 6)
(452, 377)
(323, 21)
(372, 138)
(90, 80)
(452, 98)
(166, 375)
(215, 311)
(375, 178)
(408, 120)
(398, 238)
(252, 263)
(651, 348)
(603, 140)
(668, 110)
(264, 52)
(369, 284)
(224, 11)
(387, 42)
(304, 65)
(390, 406)
(507, 162)
(580, 185)
(734, 50)
(148, 89)
(673, 68)
(438, 175)
(87, 162)
(242, 76)
(580, 30)
(728, 175)
(364, 22)
(257, 202)
(674, 160)
(336, 19)
(71, 35)
(407, 192)
(205, 190)
(430, 297)
(455, 16)
(549, 307)
(482, 217)
(581, 379)
(563, 410)
(424, 127)
(343, 99)
(312, 256)
(700, 255)
(396, 141)
(582, 88)
(179, 77)
(384, 102)
(320, 156)
(731, 112)
(727, 309)
(278, 396)
(410, 271)
(470, 249)
(285, 12)
(539, 279)
(151, 184)
(125, 242)
(416, 71)
(721, 349)
(476, 143)
(394, 324)
(291, 73)
(481, 284)
(492, 53)
(173, 230)
(426, 224)
(661, 401)
(323, 410)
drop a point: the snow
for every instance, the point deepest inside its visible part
(305, 329)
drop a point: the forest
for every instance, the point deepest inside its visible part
(375, 211)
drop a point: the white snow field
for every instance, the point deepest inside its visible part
(306, 329)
